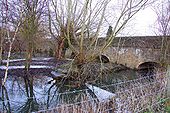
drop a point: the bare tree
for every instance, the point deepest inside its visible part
(9, 30)
(76, 21)
(32, 20)
(2, 29)
(79, 25)
(163, 22)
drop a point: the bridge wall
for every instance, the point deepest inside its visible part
(132, 57)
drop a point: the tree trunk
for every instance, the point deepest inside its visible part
(80, 59)
(60, 50)
(29, 54)
(1, 50)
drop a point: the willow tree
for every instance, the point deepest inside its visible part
(33, 12)
(163, 22)
(80, 23)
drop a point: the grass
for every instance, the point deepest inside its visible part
(164, 107)
(167, 106)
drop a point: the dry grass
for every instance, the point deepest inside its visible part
(132, 96)
(142, 94)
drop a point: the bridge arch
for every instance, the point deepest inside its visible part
(148, 68)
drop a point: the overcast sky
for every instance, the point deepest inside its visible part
(144, 22)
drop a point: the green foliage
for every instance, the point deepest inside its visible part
(167, 109)
(162, 100)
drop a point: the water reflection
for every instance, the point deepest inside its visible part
(5, 99)
(19, 94)
(33, 92)
(31, 103)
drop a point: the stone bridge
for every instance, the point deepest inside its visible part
(132, 57)
(134, 51)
